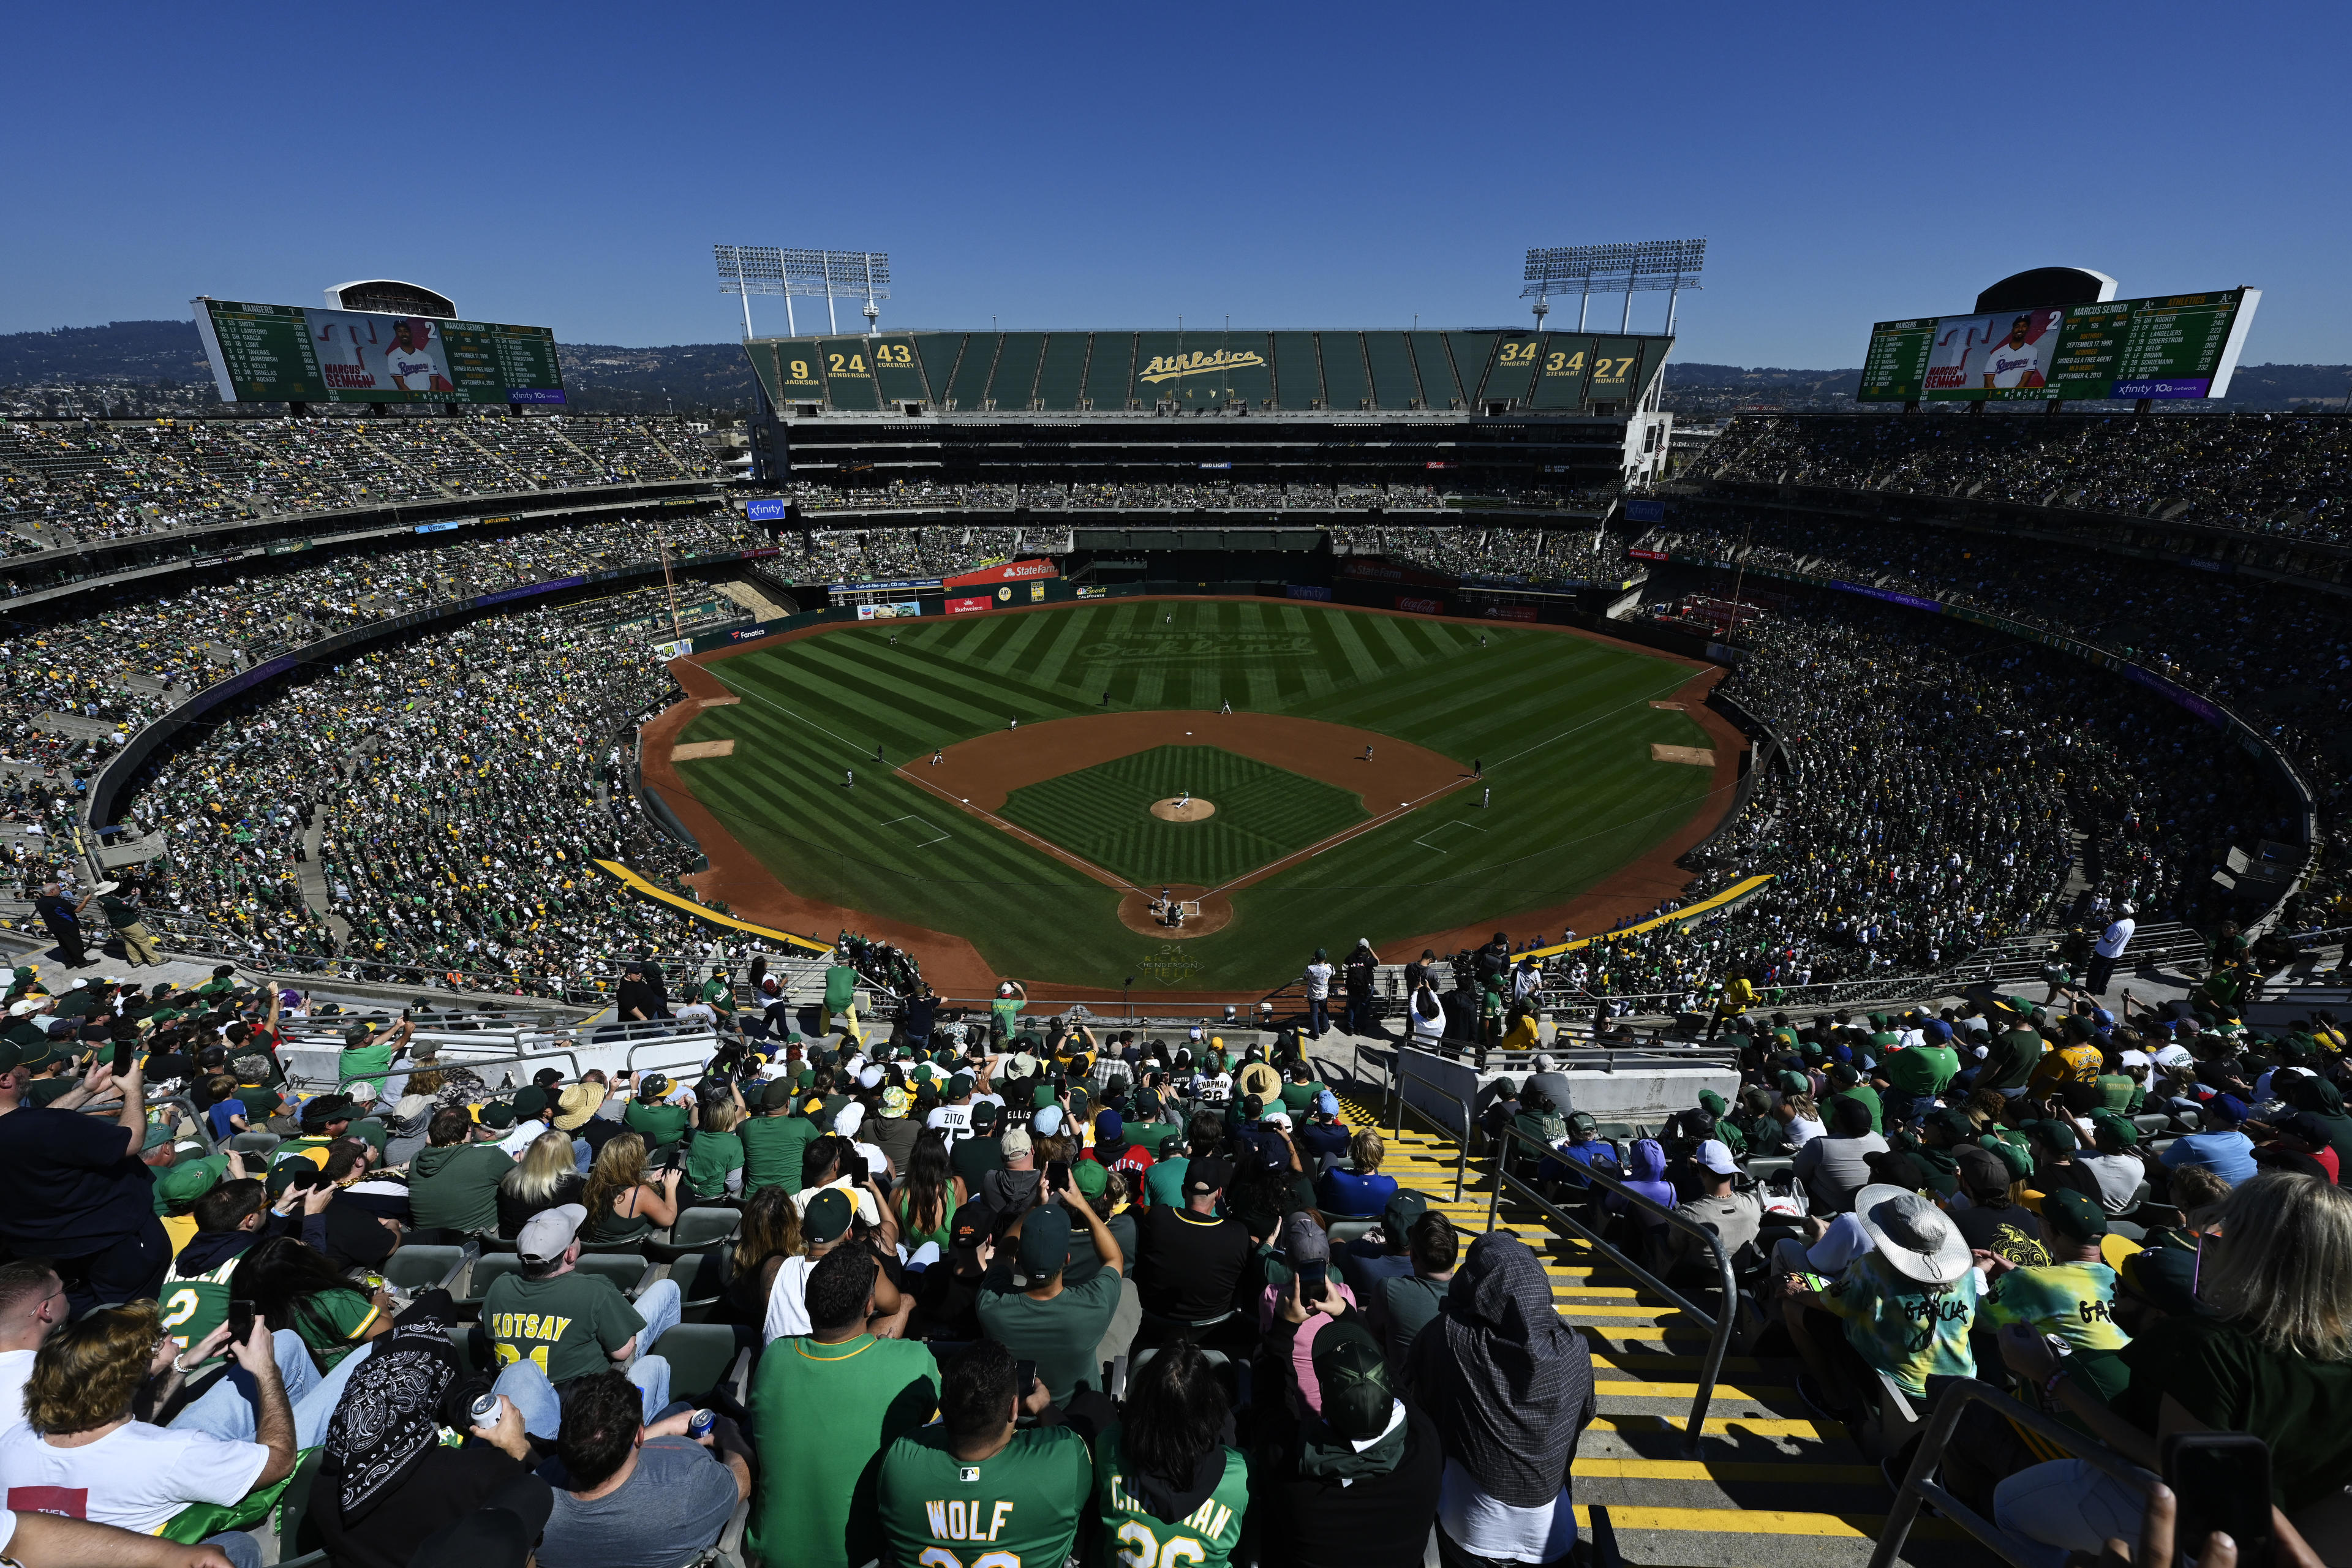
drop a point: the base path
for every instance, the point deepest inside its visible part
(986, 768)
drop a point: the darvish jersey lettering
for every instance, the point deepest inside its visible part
(1205, 1538)
(1019, 1508)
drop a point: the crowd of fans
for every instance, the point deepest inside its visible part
(1929, 807)
(939, 494)
(900, 553)
(2280, 660)
(1002, 1281)
(2271, 473)
(74, 482)
(1491, 554)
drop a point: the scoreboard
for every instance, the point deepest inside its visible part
(289, 353)
(2173, 345)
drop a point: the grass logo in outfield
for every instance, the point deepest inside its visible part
(1563, 725)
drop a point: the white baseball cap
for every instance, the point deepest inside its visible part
(1715, 1156)
(547, 1233)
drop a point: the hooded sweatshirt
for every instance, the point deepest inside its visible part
(1645, 1173)
(455, 1187)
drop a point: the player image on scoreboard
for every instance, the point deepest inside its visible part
(2009, 351)
(361, 352)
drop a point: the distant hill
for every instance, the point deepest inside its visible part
(166, 359)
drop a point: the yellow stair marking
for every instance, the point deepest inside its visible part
(1758, 1521)
(1722, 1426)
(1629, 1388)
(1728, 1470)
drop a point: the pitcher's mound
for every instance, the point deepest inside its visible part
(1190, 809)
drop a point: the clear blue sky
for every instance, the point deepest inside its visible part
(1117, 165)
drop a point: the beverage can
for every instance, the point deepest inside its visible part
(697, 1426)
(485, 1410)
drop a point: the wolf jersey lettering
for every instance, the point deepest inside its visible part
(1205, 1538)
(1019, 1508)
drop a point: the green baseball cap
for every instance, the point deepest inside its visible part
(2075, 1215)
(1089, 1177)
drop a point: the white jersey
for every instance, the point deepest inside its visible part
(2008, 366)
(412, 369)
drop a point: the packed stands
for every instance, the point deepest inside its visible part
(75, 482)
(2269, 473)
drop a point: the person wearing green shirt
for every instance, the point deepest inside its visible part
(974, 1488)
(453, 1183)
(1904, 1307)
(1190, 1508)
(714, 1160)
(1004, 1012)
(1846, 1084)
(2073, 1295)
(775, 1140)
(367, 1055)
(815, 1504)
(1302, 1091)
(189, 1176)
(652, 1117)
(1056, 1325)
(840, 999)
(1164, 1183)
(1917, 1074)
(550, 1323)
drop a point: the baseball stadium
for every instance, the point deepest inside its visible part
(1132, 878)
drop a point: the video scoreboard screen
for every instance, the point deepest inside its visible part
(290, 354)
(2174, 345)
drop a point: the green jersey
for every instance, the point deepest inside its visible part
(2076, 1302)
(569, 1326)
(1141, 1537)
(658, 1124)
(840, 988)
(1021, 1505)
(195, 1306)
(816, 1503)
(773, 1147)
(708, 1161)
(1909, 1331)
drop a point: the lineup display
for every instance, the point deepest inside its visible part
(291, 353)
(2173, 345)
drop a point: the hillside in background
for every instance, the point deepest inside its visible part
(143, 367)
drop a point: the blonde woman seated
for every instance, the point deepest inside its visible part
(624, 1200)
(544, 1178)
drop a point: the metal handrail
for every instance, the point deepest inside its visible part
(1717, 1324)
(630, 1061)
(1917, 1488)
(1400, 1073)
(412, 1067)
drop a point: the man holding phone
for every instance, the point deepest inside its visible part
(1057, 1326)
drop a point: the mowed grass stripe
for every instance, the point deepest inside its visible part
(1561, 818)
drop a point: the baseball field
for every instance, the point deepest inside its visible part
(1030, 781)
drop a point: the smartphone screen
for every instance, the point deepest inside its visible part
(2223, 1482)
(1313, 1281)
(1058, 1175)
(122, 1050)
(1024, 1375)
(240, 1322)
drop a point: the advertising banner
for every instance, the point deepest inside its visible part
(766, 510)
(1306, 591)
(1003, 572)
(1645, 511)
(1419, 607)
(967, 607)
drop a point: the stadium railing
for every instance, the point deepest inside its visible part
(1919, 1487)
(1400, 1073)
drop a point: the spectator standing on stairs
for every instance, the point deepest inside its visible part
(2109, 949)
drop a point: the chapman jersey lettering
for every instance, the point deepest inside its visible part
(1205, 1538)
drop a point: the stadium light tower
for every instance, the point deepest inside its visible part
(749, 269)
(1673, 265)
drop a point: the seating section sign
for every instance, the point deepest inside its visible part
(2174, 345)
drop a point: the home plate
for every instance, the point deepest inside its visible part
(696, 751)
(1697, 756)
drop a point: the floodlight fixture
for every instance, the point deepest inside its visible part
(1673, 265)
(749, 269)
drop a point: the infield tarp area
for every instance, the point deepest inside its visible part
(1563, 726)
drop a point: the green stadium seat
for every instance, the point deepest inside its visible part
(701, 1282)
(937, 351)
(1439, 386)
(1298, 369)
(703, 1357)
(696, 1229)
(1110, 364)
(968, 390)
(255, 1142)
(1061, 378)
(414, 1268)
(1015, 379)
(1347, 384)
(1395, 386)
(631, 1272)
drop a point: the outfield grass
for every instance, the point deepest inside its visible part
(1563, 724)
(1103, 814)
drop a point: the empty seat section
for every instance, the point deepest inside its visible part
(848, 372)
(969, 390)
(1567, 361)
(1016, 377)
(899, 372)
(1472, 351)
(1346, 383)
(1298, 369)
(1061, 378)
(1109, 369)
(1439, 386)
(1393, 383)
(1248, 377)
(938, 351)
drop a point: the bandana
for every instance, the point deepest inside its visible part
(390, 1414)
